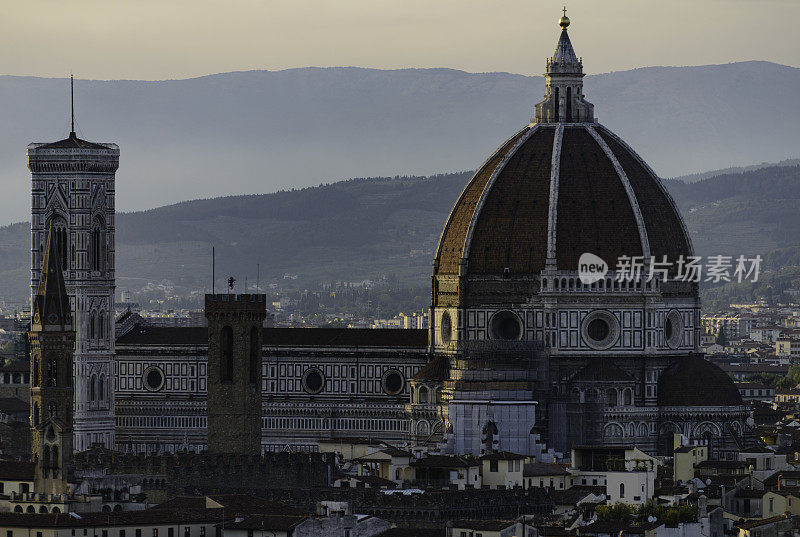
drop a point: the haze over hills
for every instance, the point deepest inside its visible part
(260, 131)
(364, 228)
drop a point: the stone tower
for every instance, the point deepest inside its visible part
(72, 192)
(234, 372)
(52, 340)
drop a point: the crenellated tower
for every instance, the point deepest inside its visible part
(234, 372)
(72, 194)
(52, 339)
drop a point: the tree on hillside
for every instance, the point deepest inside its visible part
(791, 379)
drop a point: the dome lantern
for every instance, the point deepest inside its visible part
(564, 100)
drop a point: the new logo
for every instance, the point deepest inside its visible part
(591, 268)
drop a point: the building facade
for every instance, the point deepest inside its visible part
(540, 353)
(72, 193)
(316, 384)
(523, 353)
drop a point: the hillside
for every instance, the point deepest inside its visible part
(363, 228)
(742, 213)
(261, 131)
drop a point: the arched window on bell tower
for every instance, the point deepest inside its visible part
(46, 461)
(52, 373)
(97, 245)
(60, 235)
(54, 465)
(226, 354)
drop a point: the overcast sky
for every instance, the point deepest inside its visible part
(157, 39)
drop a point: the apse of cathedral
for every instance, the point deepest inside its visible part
(521, 355)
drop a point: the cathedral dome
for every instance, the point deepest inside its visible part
(694, 381)
(557, 191)
(561, 186)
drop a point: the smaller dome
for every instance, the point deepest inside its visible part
(564, 22)
(694, 381)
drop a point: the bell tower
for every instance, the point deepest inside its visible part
(72, 196)
(52, 340)
(234, 372)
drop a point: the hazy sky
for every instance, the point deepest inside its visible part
(156, 39)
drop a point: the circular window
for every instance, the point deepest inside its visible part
(446, 328)
(600, 330)
(153, 378)
(393, 382)
(505, 325)
(313, 381)
(673, 329)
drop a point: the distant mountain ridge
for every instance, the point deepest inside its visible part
(363, 228)
(693, 177)
(260, 131)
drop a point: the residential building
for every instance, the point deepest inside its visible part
(488, 528)
(546, 475)
(778, 526)
(787, 347)
(685, 460)
(756, 391)
(503, 469)
(388, 463)
(447, 471)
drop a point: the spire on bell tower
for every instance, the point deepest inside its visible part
(51, 309)
(72, 106)
(563, 102)
(52, 340)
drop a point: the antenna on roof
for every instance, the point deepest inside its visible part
(72, 105)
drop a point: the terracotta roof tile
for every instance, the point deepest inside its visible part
(437, 369)
(326, 337)
(17, 470)
(455, 231)
(694, 381)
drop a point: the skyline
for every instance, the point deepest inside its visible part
(126, 42)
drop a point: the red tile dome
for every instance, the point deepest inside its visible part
(557, 191)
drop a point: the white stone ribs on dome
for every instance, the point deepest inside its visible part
(464, 191)
(552, 218)
(623, 177)
(490, 183)
(624, 144)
